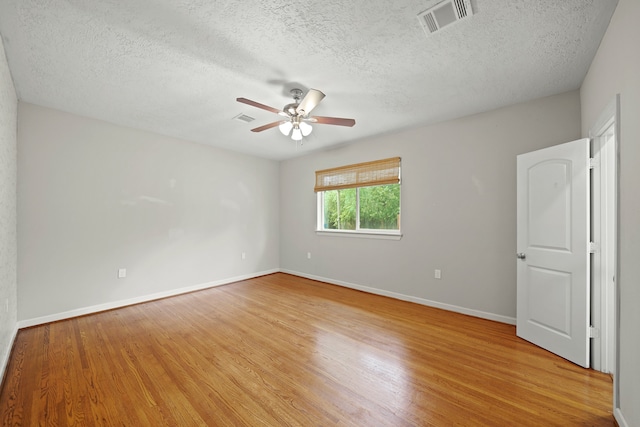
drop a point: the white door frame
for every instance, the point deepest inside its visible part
(604, 135)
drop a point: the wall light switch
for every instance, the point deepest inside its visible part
(243, 256)
(122, 273)
(437, 274)
(308, 255)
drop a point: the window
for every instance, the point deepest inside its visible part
(362, 198)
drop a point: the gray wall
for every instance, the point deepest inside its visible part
(616, 69)
(95, 197)
(458, 209)
(8, 240)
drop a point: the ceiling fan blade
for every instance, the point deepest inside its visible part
(267, 126)
(258, 105)
(310, 101)
(332, 121)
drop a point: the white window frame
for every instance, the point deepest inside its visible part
(358, 232)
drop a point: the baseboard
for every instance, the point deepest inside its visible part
(617, 414)
(137, 300)
(146, 298)
(403, 297)
(7, 356)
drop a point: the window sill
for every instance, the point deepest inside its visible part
(385, 235)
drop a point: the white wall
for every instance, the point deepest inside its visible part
(458, 208)
(616, 69)
(95, 197)
(8, 239)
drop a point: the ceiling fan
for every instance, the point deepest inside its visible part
(297, 115)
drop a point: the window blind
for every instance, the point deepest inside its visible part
(377, 172)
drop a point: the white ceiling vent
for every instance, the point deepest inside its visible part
(443, 14)
(244, 118)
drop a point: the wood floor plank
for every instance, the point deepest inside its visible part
(281, 350)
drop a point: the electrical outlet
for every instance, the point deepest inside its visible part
(122, 273)
(437, 274)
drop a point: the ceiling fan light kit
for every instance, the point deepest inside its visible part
(296, 135)
(305, 128)
(285, 127)
(297, 113)
(300, 128)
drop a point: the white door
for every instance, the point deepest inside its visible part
(553, 216)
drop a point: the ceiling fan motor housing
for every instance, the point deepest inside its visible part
(290, 109)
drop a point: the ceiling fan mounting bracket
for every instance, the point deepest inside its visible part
(296, 94)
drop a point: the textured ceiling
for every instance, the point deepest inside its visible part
(175, 67)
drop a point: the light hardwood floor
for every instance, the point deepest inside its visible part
(280, 350)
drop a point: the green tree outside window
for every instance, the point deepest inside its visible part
(379, 208)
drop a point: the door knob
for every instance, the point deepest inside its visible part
(521, 255)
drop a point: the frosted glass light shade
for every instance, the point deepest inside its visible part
(285, 127)
(296, 135)
(305, 128)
